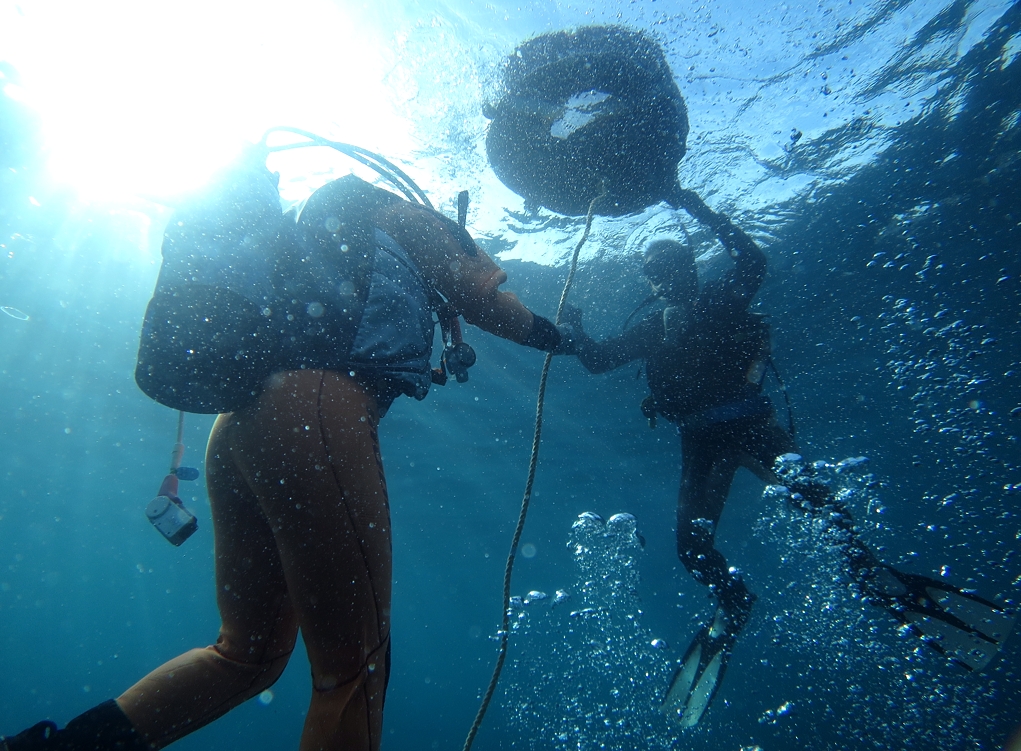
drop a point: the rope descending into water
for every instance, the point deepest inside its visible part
(533, 461)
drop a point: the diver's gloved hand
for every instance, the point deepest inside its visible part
(548, 337)
(568, 341)
(571, 317)
(573, 331)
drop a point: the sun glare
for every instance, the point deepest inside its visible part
(141, 97)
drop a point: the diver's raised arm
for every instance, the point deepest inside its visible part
(749, 260)
(733, 237)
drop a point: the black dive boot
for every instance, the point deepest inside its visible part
(39, 736)
(102, 728)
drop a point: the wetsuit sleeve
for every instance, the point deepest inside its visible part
(634, 344)
(743, 281)
(470, 283)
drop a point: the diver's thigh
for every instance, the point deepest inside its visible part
(258, 626)
(708, 467)
(358, 568)
(311, 457)
(350, 423)
(259, 622)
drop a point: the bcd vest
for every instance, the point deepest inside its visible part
(707, 361)
(245, 291)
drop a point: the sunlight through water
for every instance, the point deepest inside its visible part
(150, 98)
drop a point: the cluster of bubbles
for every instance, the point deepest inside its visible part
(773, 716)
(584, 672)
(945, 367)
(819, 609)
(935, 358)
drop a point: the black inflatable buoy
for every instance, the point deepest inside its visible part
(585, 110)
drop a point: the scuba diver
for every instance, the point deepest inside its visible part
(294, 474)
(705, 357)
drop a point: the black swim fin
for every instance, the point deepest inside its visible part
(967, 629)
(700, 673)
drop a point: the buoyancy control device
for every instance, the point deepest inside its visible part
(244, 290)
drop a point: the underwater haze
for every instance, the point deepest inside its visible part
(872, 148)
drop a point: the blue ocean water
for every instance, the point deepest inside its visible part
(892, 229)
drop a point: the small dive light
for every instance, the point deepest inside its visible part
(458, 355)
(166, 511)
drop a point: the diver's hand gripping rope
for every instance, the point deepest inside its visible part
(532, 463)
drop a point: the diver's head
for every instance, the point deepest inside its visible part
(670, 268)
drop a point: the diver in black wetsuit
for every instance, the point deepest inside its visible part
(706, 355)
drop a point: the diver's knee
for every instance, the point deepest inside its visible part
(375, 664)
(692, 559)
(265, 669)
(695, 543)
(273, 670)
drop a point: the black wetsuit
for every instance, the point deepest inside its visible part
(705, 369)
